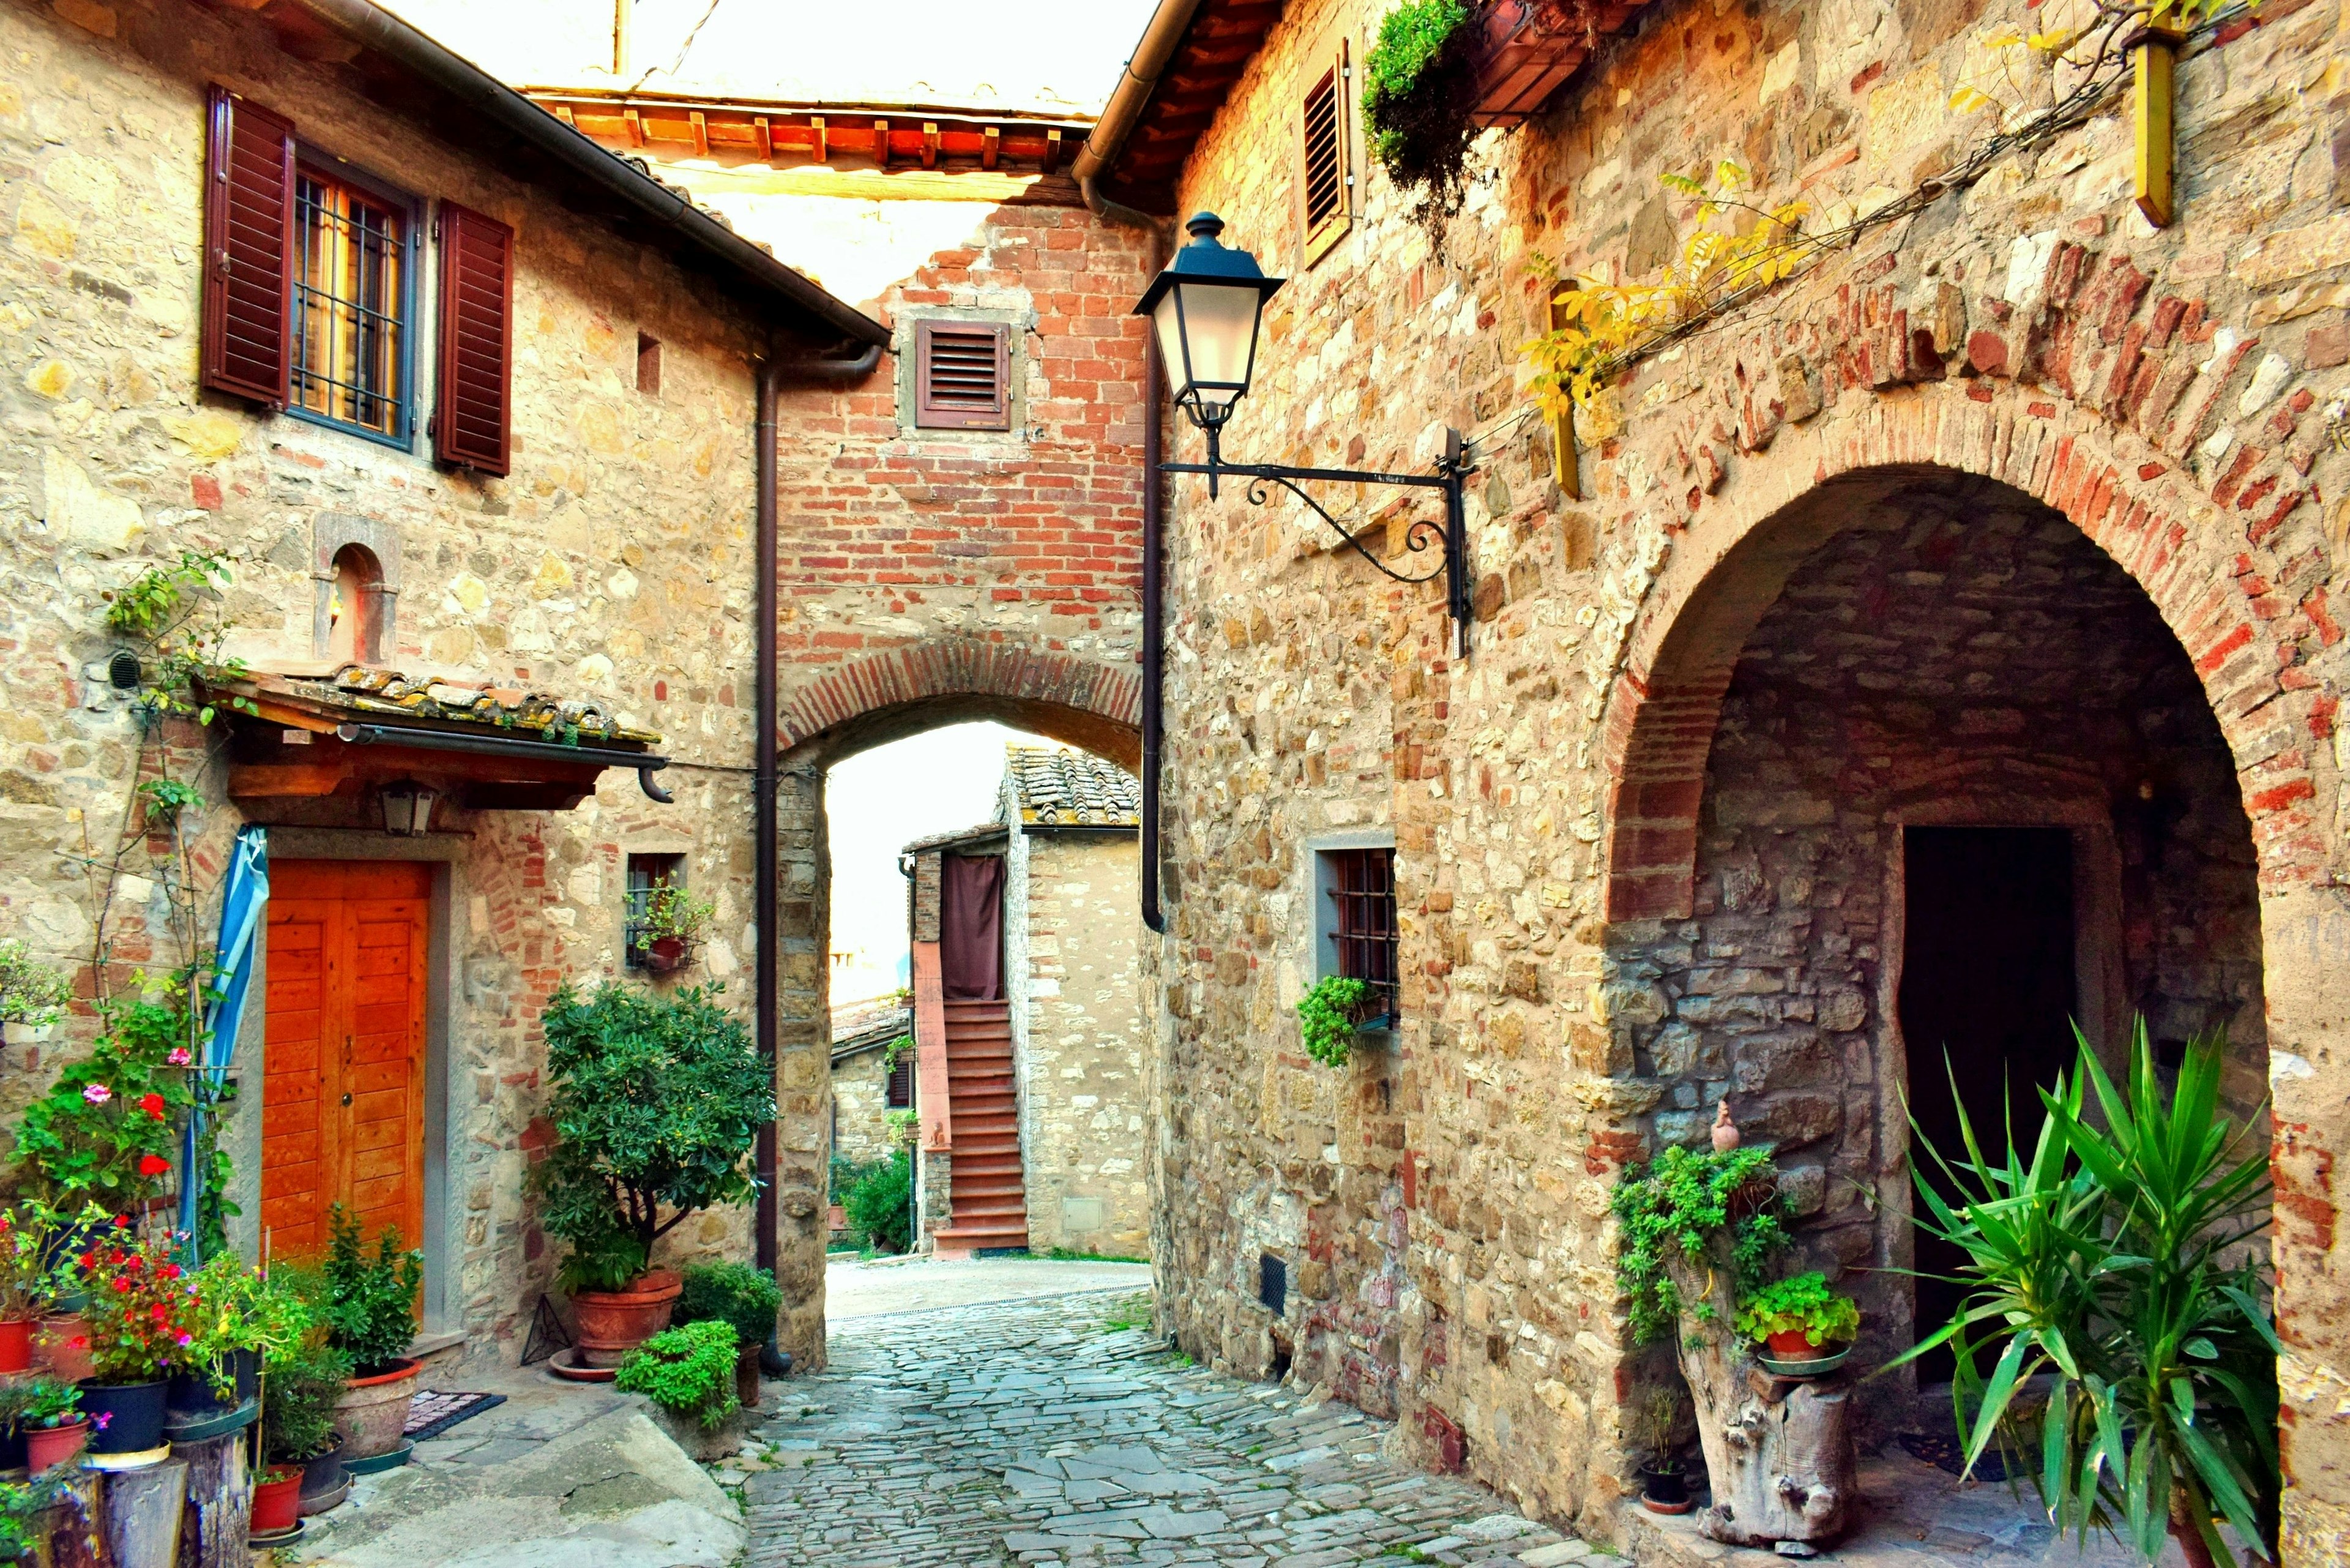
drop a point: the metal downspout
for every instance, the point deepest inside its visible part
(765, 853)
(1154, 644)
(1161, 37)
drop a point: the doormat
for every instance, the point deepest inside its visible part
(433, 1412)
(1945, 1452)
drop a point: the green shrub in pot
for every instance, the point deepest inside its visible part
(369, 1297)
(688, 1371)
(734, 1294)
(299, 1390)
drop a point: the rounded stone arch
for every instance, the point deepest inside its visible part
(1728, 569)
(886, 696)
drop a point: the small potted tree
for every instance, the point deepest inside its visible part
(740, 1295)
(1651, 1421)
(689, 1375)
(674, 922)
(367, 1301)
(656, 1103)
(300, 1389)
(1802, 1322)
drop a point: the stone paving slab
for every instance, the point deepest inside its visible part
(1027, 1433)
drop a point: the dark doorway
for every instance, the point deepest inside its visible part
(1987, 987)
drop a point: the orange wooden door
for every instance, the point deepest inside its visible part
(343, 1086)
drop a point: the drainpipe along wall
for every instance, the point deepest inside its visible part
(765, 853)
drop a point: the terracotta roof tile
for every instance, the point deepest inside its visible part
(1072, 789)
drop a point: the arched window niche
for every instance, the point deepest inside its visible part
(355, 564)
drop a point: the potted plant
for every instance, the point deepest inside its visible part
(672, 926)
(28, 1282)
(276, 1500)
(137, 1312)
(50, 1415)
(1419, 102)
(367, 1302)
(742, 1296)
(1649, 1421)
(1799, 1318)
(300, 1388)
(656, 1103)
(689, 1375)
(1329, 1015)
(237, 1318)
(106, 1131)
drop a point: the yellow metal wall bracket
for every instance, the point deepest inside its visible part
(2153, 54)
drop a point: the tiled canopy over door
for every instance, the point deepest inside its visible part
(343, 1099)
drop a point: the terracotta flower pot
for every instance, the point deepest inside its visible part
(373, 1410)
(15, 1345)
(667, 955)
(1796, 1344)
(277, 1500)
(613, 1323)
(49, 1446)
(746, 1377)
(64, 1341)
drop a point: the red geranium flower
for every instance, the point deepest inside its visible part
(152, 1165)
(152, 1104)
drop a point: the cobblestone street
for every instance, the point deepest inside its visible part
(1053, 1432)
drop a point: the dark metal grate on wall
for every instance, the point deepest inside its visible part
(1362, 892)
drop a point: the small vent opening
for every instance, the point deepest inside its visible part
(1273, 1284)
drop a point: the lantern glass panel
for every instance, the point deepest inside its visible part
(1219, 329)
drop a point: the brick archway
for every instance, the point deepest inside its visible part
(1728, 569)
(883, 697)
(2262, 657)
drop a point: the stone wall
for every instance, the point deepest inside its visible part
(1078, 1033)
(612, 565)
(860, 1105)
(2163, 391)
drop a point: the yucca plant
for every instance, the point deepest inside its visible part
(2111, 1257)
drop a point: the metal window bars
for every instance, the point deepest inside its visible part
(1362, 889)
(350, 335)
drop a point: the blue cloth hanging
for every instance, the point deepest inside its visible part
(244, 899)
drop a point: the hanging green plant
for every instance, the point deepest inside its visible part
(1419, 90)
(1677, 1206)
(1327, 1015)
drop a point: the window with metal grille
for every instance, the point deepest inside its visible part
(1325, 176)
(1360, 885)
(962, 375)
(899, 1093)
(646, 872)
(352, 303)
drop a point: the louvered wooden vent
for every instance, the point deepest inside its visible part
(248, 250)
(962, 375)
(472, 427)
(1325, 172)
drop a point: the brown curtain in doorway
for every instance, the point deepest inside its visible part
(971, 926)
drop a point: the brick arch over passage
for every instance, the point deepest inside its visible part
(888, 696)
(1730, 567)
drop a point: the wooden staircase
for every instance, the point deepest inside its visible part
(991, 1203)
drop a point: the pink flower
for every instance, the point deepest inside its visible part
(187, 1338)
(101, 1419)
(179, 1056)
(97, 1093)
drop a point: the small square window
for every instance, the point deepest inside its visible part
(1358, 921)
(648, 364)
(646, 872)
(353, 301)
(898, 1096)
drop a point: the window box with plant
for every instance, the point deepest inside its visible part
(656, 1102)
(669, 930)
(689, 1375)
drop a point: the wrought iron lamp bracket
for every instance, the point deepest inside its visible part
(1451, 534)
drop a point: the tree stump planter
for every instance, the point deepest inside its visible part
(1779, 1450)
(142, 1515)
(219, 1513)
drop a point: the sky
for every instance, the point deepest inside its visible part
(878, 800)
(1054, 55)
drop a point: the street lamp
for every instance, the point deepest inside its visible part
(1205, 310)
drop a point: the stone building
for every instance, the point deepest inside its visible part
(872, 1076)
(1028, 1015)
(485, 549)
(1941, 637)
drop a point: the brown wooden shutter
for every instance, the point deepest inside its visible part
(962, 375)
(1325, 173)
(248, 271)
(473, 426)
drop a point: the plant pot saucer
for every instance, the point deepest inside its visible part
(138, 1460)
(286, 1537)
(219, 1425)
(1810, 1366)
(566, 1365)
(374, 1463)
(331, 1498)
(1687, 1505)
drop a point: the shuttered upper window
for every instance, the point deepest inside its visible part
(248, 249)
(472, 426)
(1325, 175)
(352, 303)
(962, 375)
